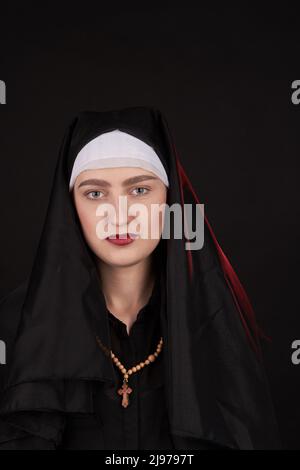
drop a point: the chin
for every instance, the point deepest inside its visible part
(120, 259)
(117, 263)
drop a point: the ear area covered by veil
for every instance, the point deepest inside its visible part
(216, 388)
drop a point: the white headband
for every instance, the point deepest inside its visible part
(117, 149)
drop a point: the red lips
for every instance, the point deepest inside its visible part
(115, 239)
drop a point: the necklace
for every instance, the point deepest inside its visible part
(125, 390)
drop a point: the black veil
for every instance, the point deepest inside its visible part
(216, 387)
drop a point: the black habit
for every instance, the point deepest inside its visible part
(207, 390)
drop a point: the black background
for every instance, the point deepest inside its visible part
(222, 76)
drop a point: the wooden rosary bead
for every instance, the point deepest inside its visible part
(125, 390)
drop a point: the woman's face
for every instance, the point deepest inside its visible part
(94, 189)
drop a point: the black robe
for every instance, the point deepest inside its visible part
(215, 385)
(143, 425)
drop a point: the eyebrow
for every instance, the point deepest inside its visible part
(127, 182)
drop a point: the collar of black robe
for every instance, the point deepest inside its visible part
(150, 308)
(215, 385)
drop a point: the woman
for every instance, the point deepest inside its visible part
(133, 343)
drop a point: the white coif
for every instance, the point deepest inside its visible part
(117, 149)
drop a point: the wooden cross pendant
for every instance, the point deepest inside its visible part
(125, 391)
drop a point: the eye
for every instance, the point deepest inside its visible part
(141, 193)
(93, 194)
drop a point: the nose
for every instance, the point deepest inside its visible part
(120, 217)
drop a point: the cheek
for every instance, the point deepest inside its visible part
(87, 219)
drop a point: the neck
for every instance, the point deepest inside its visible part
(126, 289)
